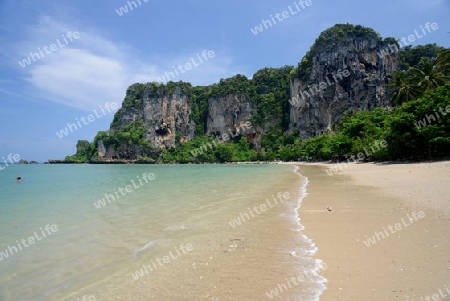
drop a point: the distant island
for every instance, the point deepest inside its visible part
(351, 91)
(23, 161)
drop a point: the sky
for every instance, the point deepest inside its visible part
(86, 53)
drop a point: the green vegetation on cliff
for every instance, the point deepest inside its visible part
(418, 128)
(267, 90)
(412, 131)
(411, 56)
(419, 90)
(207, 149)
(132, 133)
(327, 41)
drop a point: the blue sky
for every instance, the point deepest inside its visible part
(74, 78)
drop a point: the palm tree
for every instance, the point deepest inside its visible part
(443, 61)
(427, 75)
(402, 89)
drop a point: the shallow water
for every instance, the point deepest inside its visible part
(176, 225)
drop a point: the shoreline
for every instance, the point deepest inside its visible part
(366, 199)
(324, 162)
(320, 265)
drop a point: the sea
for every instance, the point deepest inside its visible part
(155, 232)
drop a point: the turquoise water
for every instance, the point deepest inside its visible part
(96, 249)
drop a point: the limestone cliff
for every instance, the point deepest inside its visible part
(164, 115)
(124, 151)
(347, 68)
(229, 114)
(344, 71)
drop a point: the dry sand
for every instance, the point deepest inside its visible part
(412, 261)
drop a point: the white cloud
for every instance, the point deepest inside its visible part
(95, 69)
(79, 78)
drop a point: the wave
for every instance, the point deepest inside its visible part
(176, 227)
(311, 251)
(151, 244)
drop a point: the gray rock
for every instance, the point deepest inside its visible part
(229, 114)
(364, 88)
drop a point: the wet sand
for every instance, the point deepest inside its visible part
(241, 263)
(408, 203)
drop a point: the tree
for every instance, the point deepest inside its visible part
(243, 144)
(443, 62)
(407, 138)
(427, 76)
(224, 153)
(401, 88)
(411, 56)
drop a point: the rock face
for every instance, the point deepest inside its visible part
(347, 69)
(230, 114)
(125, 151)
(349, 76)
(164, 116)
(167, 116)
